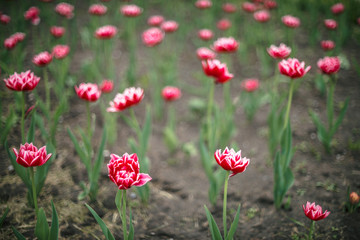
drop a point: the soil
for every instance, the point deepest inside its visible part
(179, 185)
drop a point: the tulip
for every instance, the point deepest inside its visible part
(327, 45)
(214, 68)
(106, 32)
(290, 21)
(249, 7)
(250, 85)
(293, 68)
(229, 7)
(232, 161)
(42, 59)
(60, 51)
(314, 213)
(329, 65)
(155, 20)
(270, 4)
(152, 37)
(204, 53)
(203, 4)
(5, 19)
(280, 52)
(33, 15)
(131, 10)
(97, 9)
(205, 34)
(25, 81)
(88, 91)
(19, 36)
(31, 156)
(10, 43)
(170, 93)
(130, 96)
(223, 24)
(354, 198)
(65, 9)
(169, 26)
(57, 31)
(107, 86)
(225, 45)
(330, 24)
(338, 8)
(262, 16)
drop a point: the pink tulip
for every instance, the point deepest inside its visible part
(225, 45)
(354, 198)
(170, 93)
(131, 10)
(88, 91)
(31, 156)
(10, 43)
(327, 45)
(57, 31)
(280, 52)
(314, 212)
(106, 32)
(293, 68)
(97, 9)
(60, 51)
(338, 8)
(42, 59)
(65, 9)
(216, 69)
(203, 4)
(152, 36)
(249, 7)
(125, 171)
(130, 96)
(25, 81)
(330, 24)
(204, 53)
(229, 7)
(329, 65)
(19, 36)
(155, 20)
(223, 24)
(205, 34)
(232, 161)
(107, 86)
(262, 16)
(5, 19)
(290, 21)
(32, 14)
(250, 85)
(169, 26)
(270, 4)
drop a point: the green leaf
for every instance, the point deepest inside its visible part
(103, 226)
(79, 150)
(234, 225)
(9, 123)
(322, 132)
(2, 219)
(18, 235)
(31, 132)
(339, 119)
(131, 228)
(42, 227)
(42, 171)
(40, 124)
(146, 131)
(54, 230)
(214, 229)
(118, 201)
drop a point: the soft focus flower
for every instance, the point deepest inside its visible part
(152, 36)
(270, 4)
(281, 52)
(88, 91)
(231, 161)
(107, 86)
(10, 43)
(314, 212)
(130, 96)
(106, 32)
(214, 68)
(42, 59)
(329, 65)
(57, 31)
(248, 7)
(97, 9)
(204, 53)
(18, 36)
(33, 14)
(250, 85)
(330, 24)
(31, 156)
(203, 4)
(262, 16)
(291, 21)
(223, 24)
(65, 9)
(225, 45)
(327, 45)
(354, 198)
(229, 7)
(358, 20)
(170, 93)
(338, 8)
(169, 26)
(205, 34)
(5, 19)
(60, 51)
(293, 68)
(25, 81)
(155, 20)
(125, 171)
(131, 10)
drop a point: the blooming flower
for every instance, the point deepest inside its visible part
(229, 7)
(214, 68)
(33, 14)
(97, 9)
(10, 43)
(330, 24)
(57, 31)
(329, 65)
(42, 59)
(354, 198)
(88, 91)
(281, 52)
(31, 156)
(262, 16)
(170, 93)
(4, 19)
(203, 4)
(327, 45)
(60, 51)
(130, 96)
(225, 45)
(204, 53)
(223, 24)
(250, 85)
(314, 212)
(270, 4)
(106, 86)
(169, 26)
(291, 21)
(231, 161)
(205, 34)
(293, 68)
(131, 10)
(125, 171)
(152, 36)
(19, 36)
(106, 32)
(338, 8)
(65, 9)
(25, 81)
(155, 20)
(248, 7)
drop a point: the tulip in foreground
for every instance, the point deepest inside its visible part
(225, 45)
(314, 213)
(280, 52)
(152, 37)
(130, 96)
(329, 65)
(293, 68)
(216, 69)
(30, 156)
(25, 81)
(88, 91)
(232, 161)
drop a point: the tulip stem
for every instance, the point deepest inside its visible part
(209, 112)
(47, 90)
(88, 119)
(287, 115)
(311, 232)
(22, 124)
(33, 188)
(224, 203)
(123, 197)
(135, 121)
(330, 102)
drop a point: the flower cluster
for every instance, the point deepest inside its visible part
(32, 14)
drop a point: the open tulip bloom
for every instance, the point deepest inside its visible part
(314, 213)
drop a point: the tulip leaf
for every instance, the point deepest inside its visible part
(9, 123)
(41, 126)
(214, 229)
(79, 150)
(322, 133)
(54, 230)
(131, 228)
(99, 159)
(42, 171)
(340, 118)
(3, 217)
(234, 225)
(31, 132)
(18, 235)
(145, 134)
(104, 228)
(87, 142)
(118, 201)
(42, 227)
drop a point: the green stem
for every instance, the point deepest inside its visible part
(135, 121)
(224, 203)
(47, 90)
(311, 232)
(22, 124)
(123, 197)
(88, 114)
(330, 102)
(209, 113)
(287, 115)
(33, 189)
(171, 118)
